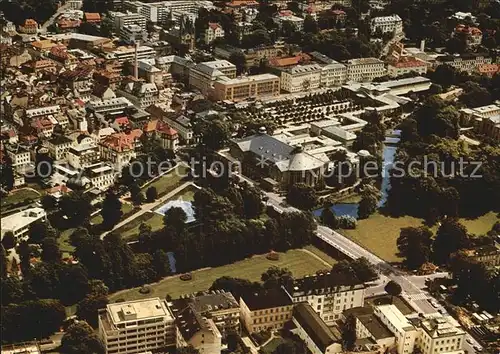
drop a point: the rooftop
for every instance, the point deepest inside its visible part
(395, 317)
(328, 282)
(21, 219)
(266, 299)
(138, 310)
(370, 321)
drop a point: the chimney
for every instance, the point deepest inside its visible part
(422, 45)
(136, 69)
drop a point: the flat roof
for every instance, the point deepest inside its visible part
(247, 79)
(21, 219)
(394, 316)
(140, 309)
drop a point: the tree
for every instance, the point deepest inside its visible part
(161, 263)
(214, 134)
(188, 350)
(86, 309)
(252, 202)
(238, 59)
(3, 264)
(328, 216)
(392, 288)
(80, 338)
(475, 95)
(235, 286)
(151, 194)
(106, 27)
(6, 173)
(8, 240)
(40, 230)
(367, 205)
(310, 24)
(111, 211)
(175, 218)
(76, 207)
(50, 250)
(12, 290)
(289, 347)
(414, 243)
(302, 196)
(135, 194)
(275, 277)
(144, 270)
(363, 269)
(348, 332)
(48, 202)
(450, 237)
(444, 75)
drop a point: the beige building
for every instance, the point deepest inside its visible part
(385, 24)
(203, 75)
(406, 334)
(406, 65)
(20, 157)
(365, 69)
(213, 31)
(440, 335)
(301, 78)
(466, 62)
(58, 146)
(265, 310)
(245, 87)
(334, 74)
(137, 326)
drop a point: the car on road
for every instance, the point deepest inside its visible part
(468, 340)
(477, 348)
(434, 303)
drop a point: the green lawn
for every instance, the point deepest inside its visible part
(481, 225)
(270, 347)
(18, 196)
(126, 208)
(325, 257)
(299, 262)
(63, 241)
(186, 194)
(167, 182)
(131, 230)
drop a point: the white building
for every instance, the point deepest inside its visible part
(365, 69)
(121, 19)
(123, 54)
(20, 157)
(287, 16)
(328, 294)
(101, 175)
(213, 31)
(133, 34)
(301, 78)
(405, 333)
(109, 106)
(406, 65)
(466, 62)
(19, 223)
(393, 24)
(83, 154)
(203, 75)
(198, 331)
(334, 74)
(440, 335)
(58, 146)
(183, 126)
(137, 326)
(159, 12)
(142, 94)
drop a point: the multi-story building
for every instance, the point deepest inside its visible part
(334, 74)
(486, 120)
(301, 78)
(237, 89)
(19, 156)
(203, 75)
(159, 12)
(58, 147)
(123, 54)
(213, 31)
(120, 148)
(19, 223)
(137, 326)
(466, 62)
(406, 334)
(183, 126)
(489, 255)
(30, 26)
(111, 106)
(142, 94)
(317, 336)
(386, 24)
(473, 35)
(287, 16)
(164, 133)
(440, 335)
(265, 310)
(83, 154)
(132, 33)
(365, 69)
(488, 69)
(405, 65)
(121, 20)
(101, 175)
(328, 294)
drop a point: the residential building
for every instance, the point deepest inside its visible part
(160, 12)
(141, 94)
(83, 153)
(111, 106)
(365, 69)
(213, 31)
(121, 20)
(265, 310)
(135, 327)
(161, 131)
(328, 294)
(405, 65)
(92, 17)
(253, 86)
(44, 127)
(183, 126)
(19, 223)
(406, 334)
(488, 69)
(58, 147)
(120, 148)
(197, 331)
(301, 78)
(131, 34)
(485, 119)
(123, 54)
(288, 16)
(473, 35)
(333, 74)
(203, 75)
(461, 16)
(30, 26)
(19, 156)
(101, 175)
(466, 62)
(317, 336)
(385, 24)
(440, 335)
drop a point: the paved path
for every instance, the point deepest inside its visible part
(148, 207)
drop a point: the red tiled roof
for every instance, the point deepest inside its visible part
(488, 68)
(122, 121)
(469, 30)
(408, 62)
(92, 16)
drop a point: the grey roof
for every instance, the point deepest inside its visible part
(266, 147)
(266, 299)
(371, 322)
(214, 302)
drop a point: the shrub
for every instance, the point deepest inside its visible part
(186, 277)
(145, 290)
(273, 256)
(346, 222)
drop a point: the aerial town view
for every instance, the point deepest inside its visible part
(250, 176)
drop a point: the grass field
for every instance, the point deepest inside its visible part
(18, 196)
(299, 262)
(379, 233)
(63, 241)
(167, 182)
(328, 259)
(126, 208)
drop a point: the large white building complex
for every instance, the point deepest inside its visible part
(440, 335)
(301, 78)
(20, 222)
(365, 69)
(405, 332)
(386, 24)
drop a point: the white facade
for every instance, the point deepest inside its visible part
(123, 54)
(296, 22)
(58, 147)
(406, 66)
(183, 126)
(405, 333)
(365, 69)
(121, 20)
(142, 94)
(213, 31)
(301, 78)
(386, 24)
(203, 75)
(466, 62)
(20, 158)
(83, 154)
(100, 175)
(334, 74)
(136, 326)
(159, 12)
(19, 223)
(133, 34)
(440, 335)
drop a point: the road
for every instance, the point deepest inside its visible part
(50, 21)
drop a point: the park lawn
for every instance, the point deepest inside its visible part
(379, 233)
(298, 262)
(325, 257)
(126, 208)
(130, 230)
(482, 224)
(187, 194)
(18, 196)
(169, 181)
(63, 241)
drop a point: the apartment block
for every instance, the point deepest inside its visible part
(137, 326)
(213, 31)
(132, 33)
(58, 146)
(440, 335)
(365, 69)
(265, 310)
(123, 54)
(121, 19)
(328, 294)
(406, 334)
(19, 156)
(334, 74)
(406, 65)
(386, 24)
(238, 89)
(466, 62)
(203, 75)
(301, 78)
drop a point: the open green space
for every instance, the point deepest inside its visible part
(17, 197)
(126, 208)
(186, 194)
(63, 241)
(300, 263)
(130, 230)
(482, 224)
(325, 257)
(169, 181)
(270, 347)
